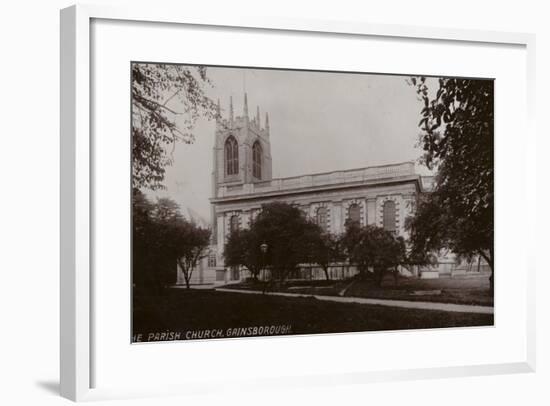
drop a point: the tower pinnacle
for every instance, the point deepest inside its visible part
(245, 112)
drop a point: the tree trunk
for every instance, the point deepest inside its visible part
(186, 273)
(379, 275)
(283, 275)
(326, 273)
(489, 259)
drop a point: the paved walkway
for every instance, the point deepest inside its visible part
(409, 304)
(203, 286)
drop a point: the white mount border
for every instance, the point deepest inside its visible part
(75, 225)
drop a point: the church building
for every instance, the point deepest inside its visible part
(242, 182)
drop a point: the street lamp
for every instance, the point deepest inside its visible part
(263, 248)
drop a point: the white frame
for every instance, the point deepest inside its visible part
(75, 282)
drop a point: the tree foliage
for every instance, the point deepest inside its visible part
(289, 236)
(167, 100)
(162, 238)
(243, 249)
(457, 139)
(428, 230)
(326, 249)
(190, 243)
(373, 248)
(292, 239)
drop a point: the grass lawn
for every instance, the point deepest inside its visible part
(472, 290)
(461, 290)
(183, 310)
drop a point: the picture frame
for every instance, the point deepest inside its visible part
(77, 281)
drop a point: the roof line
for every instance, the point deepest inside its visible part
(339, 170)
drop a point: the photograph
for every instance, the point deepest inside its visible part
(283, 202)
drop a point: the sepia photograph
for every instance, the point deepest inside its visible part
(277, 202)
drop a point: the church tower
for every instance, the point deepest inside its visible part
(242, 149)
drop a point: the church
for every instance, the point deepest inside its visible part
(242, 182)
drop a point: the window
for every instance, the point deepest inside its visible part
(322, 218)
(354, 213)
(212, 261)
(234, 223)
(257, 160)
(389, 216)
(231, 156)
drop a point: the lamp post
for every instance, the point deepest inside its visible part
(263, 249)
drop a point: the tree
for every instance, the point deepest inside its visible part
(165, 210)
(286, 231)
(153, 260)
(355, 242)
(289, 236)
(391, 254)
(190, 243)
(143, 237)
(162, 238)
(428, 229)
(326, 249)
(167, 100)
(243, 249)
(457, 138)
(372, 247)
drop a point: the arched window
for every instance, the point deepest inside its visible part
(354, 213)
(234, 223)
(389, 216)
(231, 156)
(212, 260)
(322, 218)
(257, 160)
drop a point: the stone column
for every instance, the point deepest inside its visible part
(336, 216)
(371, 211)
(402, 214)
(220, 238)
(179, 276)
(407, 210)
(245, 219)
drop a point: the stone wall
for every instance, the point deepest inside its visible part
(369, 197)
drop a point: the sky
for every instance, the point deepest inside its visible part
(319, 122)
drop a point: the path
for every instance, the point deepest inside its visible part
(448, 307)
